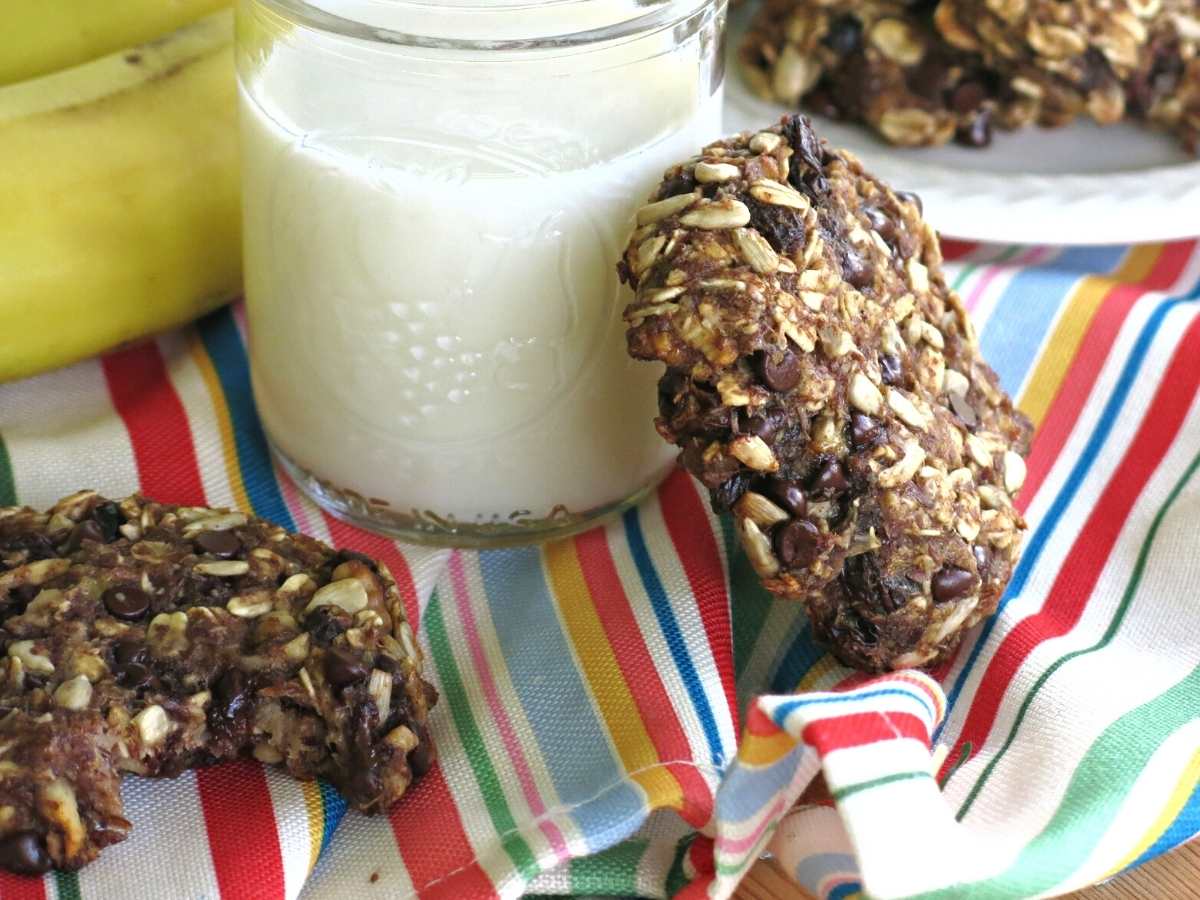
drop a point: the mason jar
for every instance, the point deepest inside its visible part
(435, 198)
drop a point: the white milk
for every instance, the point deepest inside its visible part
(435, 317)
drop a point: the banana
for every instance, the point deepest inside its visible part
(43, 36)
(119, 198)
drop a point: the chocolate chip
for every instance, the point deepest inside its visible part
(108, 516)
(881, 222)
(128, 603)
(829, 479)
(864, 431)
(683, 183)
(788, 494)
(221, 544)
(890, 368)
(951, 583)
(844, 35)
(797, 543)
(670, 387)
(856, 270)
(24, 853)
(758, 425)
(343, 667)
(964, 410)
(780, 371)
(977, 132)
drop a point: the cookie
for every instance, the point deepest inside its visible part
(1165, 87)
(1071, 57)
(881, 63)
(826, 386)
(140, 637)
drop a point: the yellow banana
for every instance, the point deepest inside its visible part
(119, 198)
(42, 36)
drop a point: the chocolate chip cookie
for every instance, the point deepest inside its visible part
(826, 386)
(141, 637)
(879, 62)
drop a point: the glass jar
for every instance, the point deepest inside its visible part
(435, 198)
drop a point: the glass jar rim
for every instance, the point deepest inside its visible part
(494, 25)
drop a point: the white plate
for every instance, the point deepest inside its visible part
(1082, 184)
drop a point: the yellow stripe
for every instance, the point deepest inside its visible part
(604, 677)
(761, 750)
(224, 423)
(823, 674)
(1179, 796)
(316, 819)
(1059, 351)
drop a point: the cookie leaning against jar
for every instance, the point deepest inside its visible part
(148, 638)
(879, 62)
(826, 386)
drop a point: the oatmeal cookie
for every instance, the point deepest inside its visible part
(148, 638)
(826, 386)
(879, 62)
(1165, 88)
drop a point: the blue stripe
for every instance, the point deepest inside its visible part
(800, 657)
(672, 633)
(781, 712)
(334, 807)
(843, 891)
(1183, 829)
(746, 792)
(1083, 465)
(554, 696)
(812, 870)
(224, 345)
(1035, 296)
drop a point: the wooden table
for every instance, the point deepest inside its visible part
(1175, 876)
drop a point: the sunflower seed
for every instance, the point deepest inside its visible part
(223, 568)
(765, 142)
(761, 510)
(753, 452)
(727, 213)
(1014, 471)
(904, 408)
(777, 194)
(715, 173)
(903, 471)
(758, 549)
(75, 693)
(864, 396)
(347, 593)
(662, 209)
(755, 250)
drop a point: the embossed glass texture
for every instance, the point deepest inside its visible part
(431, 226)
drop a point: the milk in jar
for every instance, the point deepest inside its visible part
(431, 235)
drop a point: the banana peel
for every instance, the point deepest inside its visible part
(120, 198)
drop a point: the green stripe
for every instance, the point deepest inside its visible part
(752, 604)
(472, 741)
(8, 489)
(1131, 588)
(851, 789)
(969, 269)
(742, 862)
(1094, 796)
(676, 878)
(66, 884)
(612, 871)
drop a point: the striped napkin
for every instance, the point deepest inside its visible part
(608, 726)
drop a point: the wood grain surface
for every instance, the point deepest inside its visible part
(1175, 876)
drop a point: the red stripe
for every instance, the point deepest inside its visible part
(1080, 379)
(952, 249)
(432, 842)
(641, 677)
(759, 724)
(860, 729)
(237, 806)
(1091, 550)
(379, 547)
(21, 887)
(158, 427)
(695, 543)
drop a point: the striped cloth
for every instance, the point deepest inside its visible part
(607, 726)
